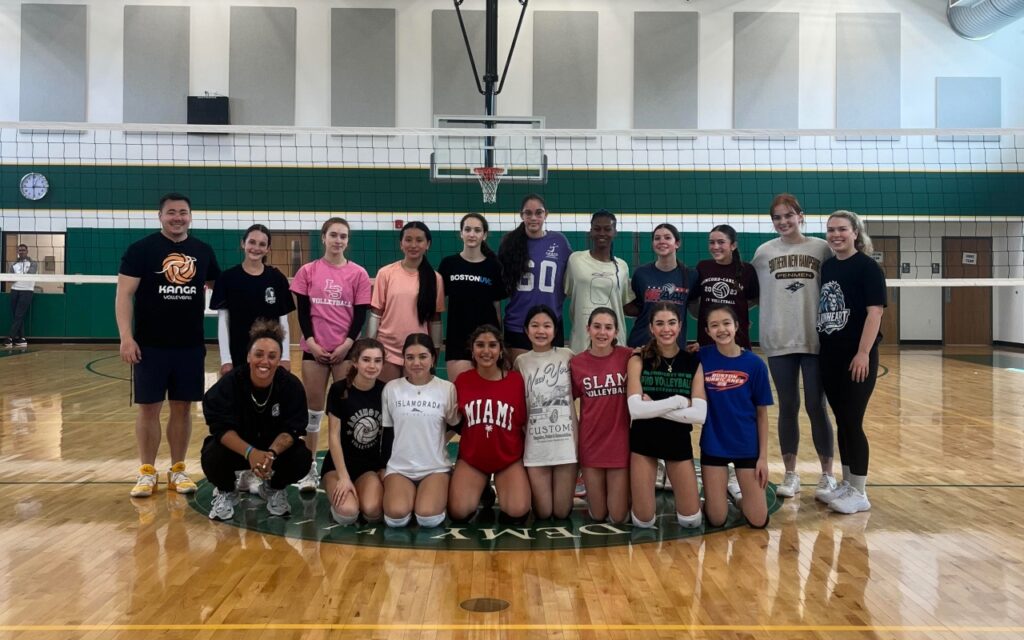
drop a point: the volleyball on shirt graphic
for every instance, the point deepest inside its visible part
(832, 312)
(178, 268)
(364, 427)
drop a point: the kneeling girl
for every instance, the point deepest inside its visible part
(358, 448)
(736, 428)
(492, 403)
(665, 389)
(420, 407)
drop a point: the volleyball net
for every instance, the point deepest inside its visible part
(945, 207)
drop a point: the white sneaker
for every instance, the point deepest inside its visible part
(277, 500)
(790, 485)
(734, 485)
(838, 492)
(310, 481)
(223, 505)
(852, 501)
(826, 485)
(247, 482)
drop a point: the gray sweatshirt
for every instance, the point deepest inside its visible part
(789, 276)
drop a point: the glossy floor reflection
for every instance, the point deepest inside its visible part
(940, 555)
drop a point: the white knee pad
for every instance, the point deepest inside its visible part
(642, 524)
(315, 418)
(690, 522)
(429, 522)
(398, 523)
(343, 520)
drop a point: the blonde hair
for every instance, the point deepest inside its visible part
(863, 241)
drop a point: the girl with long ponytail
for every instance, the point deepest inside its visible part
(724, 279)
(408, 297)
(533, 262)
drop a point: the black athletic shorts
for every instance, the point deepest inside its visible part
(517, 340)
(670, 442)
(355, 468)
(739, 463)
(173, 373)
(456, 348)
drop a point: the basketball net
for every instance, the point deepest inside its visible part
(489, 177)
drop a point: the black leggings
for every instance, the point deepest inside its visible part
(220, 464)
(849, 401)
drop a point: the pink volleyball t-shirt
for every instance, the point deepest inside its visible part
(333, 293)
(395, 292)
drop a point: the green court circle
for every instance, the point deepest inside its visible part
(310, 519)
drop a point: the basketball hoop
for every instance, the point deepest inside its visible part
(489, 177)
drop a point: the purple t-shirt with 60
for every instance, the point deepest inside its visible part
(543, 282)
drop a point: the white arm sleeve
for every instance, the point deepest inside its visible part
(641, 409)
(286, 349)
(223, 338)
(697, 413)
(372, 324)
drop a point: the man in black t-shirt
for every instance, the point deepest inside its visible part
(161, 285)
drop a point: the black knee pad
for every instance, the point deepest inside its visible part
(767, 519)
(504, 518)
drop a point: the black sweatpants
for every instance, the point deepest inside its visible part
(220, 464)
(849, 402)
(20, 303)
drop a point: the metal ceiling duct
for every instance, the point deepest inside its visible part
(978, 20)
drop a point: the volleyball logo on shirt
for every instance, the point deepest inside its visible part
(721, 289)
(724, 380)
(178, 268)
(832, 312)
(364, 428)
(270, 296)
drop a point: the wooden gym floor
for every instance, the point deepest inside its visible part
(940, 555)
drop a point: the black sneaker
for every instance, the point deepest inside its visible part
(21, 343)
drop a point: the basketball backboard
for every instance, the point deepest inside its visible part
(513, 150)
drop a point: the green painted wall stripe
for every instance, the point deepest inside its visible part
(401, 190)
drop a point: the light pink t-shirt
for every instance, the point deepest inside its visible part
(333, 294)
(394, 293)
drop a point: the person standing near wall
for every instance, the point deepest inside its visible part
(160, 286)
(21, 296)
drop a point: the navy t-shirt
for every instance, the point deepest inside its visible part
(171, 297)
(249, 298)
(652, 285)
(848, 288)
(735, 388)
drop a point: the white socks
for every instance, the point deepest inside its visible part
(343, 520)
(690, 522)
(642, 524)
(397, 523)
(429, 522)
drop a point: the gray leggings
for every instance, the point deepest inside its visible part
(786, 372)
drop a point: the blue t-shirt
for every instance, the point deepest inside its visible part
(652, 285)
(543, 282)
(735, 388)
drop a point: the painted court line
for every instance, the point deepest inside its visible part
(736, 628)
